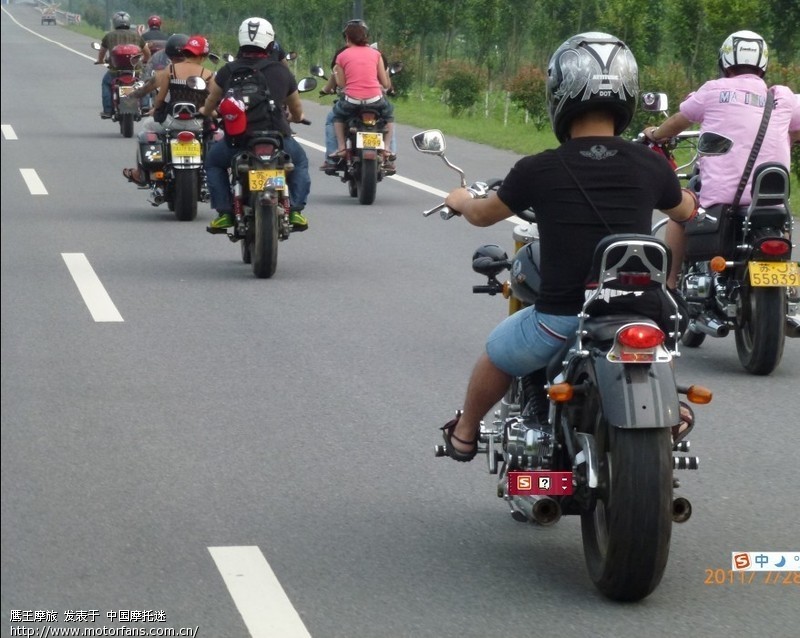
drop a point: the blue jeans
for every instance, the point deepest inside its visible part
(105, 87)
(218, 161)
(331, 145)
(528, 339)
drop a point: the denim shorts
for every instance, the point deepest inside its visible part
(528, 339)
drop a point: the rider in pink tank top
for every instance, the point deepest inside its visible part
(360, 64)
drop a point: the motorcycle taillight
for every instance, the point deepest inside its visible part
(185, 136)
(368, 117)
(151, 137)
(640, 336)
(264, 151)
(634, 278)
(776, 246)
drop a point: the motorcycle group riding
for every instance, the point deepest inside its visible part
(600, 432)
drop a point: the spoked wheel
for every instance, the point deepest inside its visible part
(185, 191)
(762, 327)
(265, 240)
(626, 533)
(368, 181)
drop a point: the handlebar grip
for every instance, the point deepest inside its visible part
(487, 289)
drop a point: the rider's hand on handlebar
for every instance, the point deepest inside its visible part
(457, 199)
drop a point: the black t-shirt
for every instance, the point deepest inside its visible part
(625, 181)
(281, 84)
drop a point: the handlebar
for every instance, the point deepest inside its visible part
(492, 288)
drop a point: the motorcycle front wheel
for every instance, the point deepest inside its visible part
(184, 194)
(626, 534)
(264, 252)
(762, 327)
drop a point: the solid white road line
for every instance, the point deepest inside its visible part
(259, 597)
(35, 185)
(8, 132)
(94, 294)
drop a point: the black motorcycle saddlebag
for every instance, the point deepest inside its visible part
(712, 234)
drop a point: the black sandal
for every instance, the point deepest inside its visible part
(680, 431)
(449, 450)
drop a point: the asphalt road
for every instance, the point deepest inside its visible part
(254, 457)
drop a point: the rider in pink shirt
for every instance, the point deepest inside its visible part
(733, 106)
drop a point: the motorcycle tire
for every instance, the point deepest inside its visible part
(265, 240)
(368, 181)
(126, 125)
(626, 533)
(761, 330)
(184, 194)
(247, 257)
(352, 187)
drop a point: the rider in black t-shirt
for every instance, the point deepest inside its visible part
(591, 93)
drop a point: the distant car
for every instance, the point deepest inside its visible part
(48, 18)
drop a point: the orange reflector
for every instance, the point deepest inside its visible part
(507, 290)
(699, 394)
(641, 336)
(718, 264)
(560, 392)
(157, 174)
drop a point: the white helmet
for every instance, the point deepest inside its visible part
(256, 32)
(744, 48)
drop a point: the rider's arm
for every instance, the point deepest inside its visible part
(214, 96)
(338, 75)
(295, 107)
(330, 85)
(673, 125)
(101, 55)
(146, 52)
(383, 76)
(684, 211)
(162, 86)
(478, 212)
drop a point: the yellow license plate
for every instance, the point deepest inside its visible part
(774, 273)
(124, 90)
(186, 149)
(369, 140)
(273, 178)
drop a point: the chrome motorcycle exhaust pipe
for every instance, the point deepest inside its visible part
(793, 327)
(681, 510)
(540, 510)
(710, 327)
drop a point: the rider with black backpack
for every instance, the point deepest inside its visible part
(264, 86)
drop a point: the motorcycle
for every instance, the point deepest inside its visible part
(173, 159)
(126, 59)
(362, 166)
(738, 270)
(593, 439)
(261, 202)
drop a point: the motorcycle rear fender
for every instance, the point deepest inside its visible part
(641, 395)
(369, 155)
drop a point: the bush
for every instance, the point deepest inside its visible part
(403, 81)
(461, 84)
(527, 90)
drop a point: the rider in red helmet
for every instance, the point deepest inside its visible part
(156, 39)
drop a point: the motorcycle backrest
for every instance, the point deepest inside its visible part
(183, 110)
(617, 256)
(770, 185)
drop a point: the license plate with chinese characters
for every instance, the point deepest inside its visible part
(260, 180)
(125, 89)
(186, 149)
(774, 273)
(369, 140)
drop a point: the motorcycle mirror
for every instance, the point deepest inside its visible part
(713, 144)
(214, 58)
(317, 70)
(292, 55)
(395, 68)
(196, 82)
(431, 141)
(306, 84)
(228, 57)
(96, 46)
(655, 102)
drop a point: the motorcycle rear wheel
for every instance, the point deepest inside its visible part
(126, 124)
(246, 255)
(626, 534)
(367, 181)
(762, 328)
(352, 187)
(265, 240)
(184, 194)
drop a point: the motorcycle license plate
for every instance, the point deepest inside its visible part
(186, 149)
(774, 273)
(369, 140)
(125, 89)
(262, 179)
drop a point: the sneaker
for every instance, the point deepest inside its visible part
(106, 116)
(225, 220)
(299, 223)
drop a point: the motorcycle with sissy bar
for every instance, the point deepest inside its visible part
(594, 438)
(737, 271)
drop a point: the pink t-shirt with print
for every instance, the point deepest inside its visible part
(360, 64)
(733, 107)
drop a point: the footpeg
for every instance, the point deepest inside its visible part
(438, 450)
(685, 463)
(216, 231)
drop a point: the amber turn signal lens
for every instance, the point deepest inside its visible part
(718, 264)
(699, 394)
(560, 392)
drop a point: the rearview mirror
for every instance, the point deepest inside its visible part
(292, 55)
(317, 70)
(307, 84)
(196, 82)
(713, 144)
(431, 141)
(655, 102)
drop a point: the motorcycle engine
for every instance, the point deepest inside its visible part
(527, 443)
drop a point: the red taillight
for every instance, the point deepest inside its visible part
(264, 150)
(775, 247)
(640, 336)
(368, 118)
(185, 136)
(151, 137)
(634, 278)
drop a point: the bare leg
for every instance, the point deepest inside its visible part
(676, 240)
(387, 138)
(487, 385)
(339, 128)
